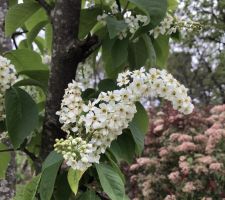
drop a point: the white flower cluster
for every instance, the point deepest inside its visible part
(170, 25)
(7, 78)
(101, 18)
(99, 122)
(114, 8)
(76, 151)
(85, 73)
(133, 22)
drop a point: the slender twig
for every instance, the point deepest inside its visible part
(125, 8)
(15, 34)
(31, 155)
(118, 4)
(14, 42)
(7, 150)
(28, 153)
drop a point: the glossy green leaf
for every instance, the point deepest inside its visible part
(119, 52)
(34, 32)
(139, 127)
(123, 148)
(115, 166)
(28, 191)
(21, 115)
(18, 15)
(74, 177)
(62, 193)
(50, 169)
(111, 182)
(107, 85)
(36, 18)
(26, 60)
(4, 160)
(151, 55)
(115, 26)
(137, 54)
(29, 63)
(26, 82)
(161, 46)
(155, 10)
(89, 195)
(88, 18)
(107, 45)
(110, 52)
(40, 42)
(88, 94)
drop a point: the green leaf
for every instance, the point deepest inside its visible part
(74, 177)
(139, 127)
(29, 63)
(137, 54)
(115, 166)
(172, 5)
(161, 46)
(119, 52)
(123, 148)
(36, 18)
(88, 19)
(24, 45)
(111, 182)
(150, 50)
(115, 26)
(62, 193)
(89, 195)
(28, 191)
(26, 82)
(89, 94)
(48, 37)
(34, 32)
(107, 85)
(40, 42)
(26, 60)
(107, 45)
(21, 115)
(12, 3)
(18, 14)
(4, 161)
(50, 169)
(155, 10)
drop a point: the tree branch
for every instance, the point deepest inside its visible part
(67, 52)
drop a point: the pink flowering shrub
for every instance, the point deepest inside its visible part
(184, 157)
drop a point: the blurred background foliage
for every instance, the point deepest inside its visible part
(198, 60)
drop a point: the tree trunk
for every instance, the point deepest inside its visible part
(67, 52)
(7, 186)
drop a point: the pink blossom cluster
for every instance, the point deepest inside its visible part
(184, 157)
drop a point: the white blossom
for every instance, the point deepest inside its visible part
(7, 78)
(98, 122)
(170, 25)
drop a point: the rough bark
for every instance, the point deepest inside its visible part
(67, 52)
(5, 43)
(7, 186)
